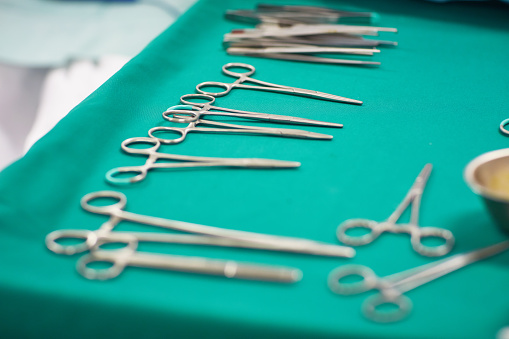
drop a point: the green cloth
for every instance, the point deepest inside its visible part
(438, 97)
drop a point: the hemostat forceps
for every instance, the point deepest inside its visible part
(416, 233)
(392, 287)
(264, 86)
(183, 161)
(192, 111)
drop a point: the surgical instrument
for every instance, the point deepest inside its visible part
(280, 18)
(313, 10)
(503, 130)
(307, 41)
(192, 111)
(391, 288)
(289, 18)
(113, 175)
(182, 132)
(117, 214)
(412, 228)
(92, 240)
(301, 50)
(304, 30)
(265, 86)
(119, 259)
(127, 256)
(311, 58)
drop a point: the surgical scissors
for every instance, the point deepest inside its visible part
(128, 256)
(265, 86)
(186, 161)
(416, 233)
(192, 111)
(392, 287)
(117, 214)
(228, 128)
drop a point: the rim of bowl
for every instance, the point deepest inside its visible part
(473, 165)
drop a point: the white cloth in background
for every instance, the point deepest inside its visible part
(78, 45)
(65, 87)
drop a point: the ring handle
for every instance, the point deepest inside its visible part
(118, 258)
(432, 232)
(503, 130)
(99, 274)
(140, 172)
(370, 308)
(182, 114)
(88, 237)
(250, 69)
(368, 281)
(140, 140)
(182, 132)
(184, 99)
(106, 209)
(227, 87)
(373, 227)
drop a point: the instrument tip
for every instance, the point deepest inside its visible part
(296, 275)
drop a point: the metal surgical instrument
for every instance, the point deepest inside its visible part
(416, 233)
(311, 58)
(128, 256)
(265, 86)
(117, 214)
(92, 240)
(392, 287)
(301, 50)
(227, 268)
(192, 111)
(182, 132)
(313, 10)
(185, 161)
(303, 30)
(316, 40)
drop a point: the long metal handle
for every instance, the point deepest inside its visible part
(315, 59)
(302, 92)
(432, 271)
(302, 50)
(282, 132)
(226, 268)
(286, 244)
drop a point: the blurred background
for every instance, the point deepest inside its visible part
(55, 53)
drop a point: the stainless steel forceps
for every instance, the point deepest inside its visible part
(416, 233)
(117, 214)
(128, 256)
(265, 86)
(192, 111)
(392, 287)
(227, 268)
(184, 161)
(182, 132)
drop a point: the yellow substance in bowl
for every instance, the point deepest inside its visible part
(499, 183)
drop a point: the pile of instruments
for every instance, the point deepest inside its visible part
(303, 33)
